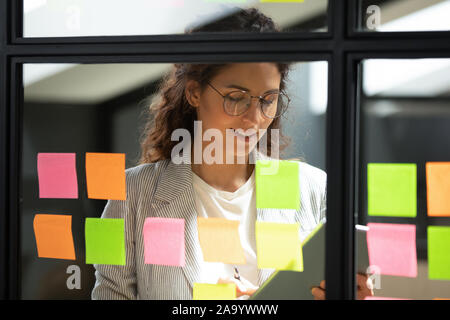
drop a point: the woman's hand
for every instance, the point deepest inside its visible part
(364, 285)
(243, 286)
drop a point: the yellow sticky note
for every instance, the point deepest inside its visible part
(438, 189)
(219, 240)
(208, 291)
(278, 246)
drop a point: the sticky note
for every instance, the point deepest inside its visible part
(57, 175)
(53, 235)
(278, 246)
(220, 241)
(392, 247)
(277, 184)
(392, 189)
(105, 241)
(208, 291)
(105, 176)
(438, 189)
(438, 252)
(164, 241)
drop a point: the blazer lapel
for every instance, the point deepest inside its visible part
(174, 198)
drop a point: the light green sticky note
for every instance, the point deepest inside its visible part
(208, 291)
(277, 184)
(439, 253)
(105, 241)
(392, 189)
(278, 246)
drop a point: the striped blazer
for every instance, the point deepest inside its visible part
(164, 189)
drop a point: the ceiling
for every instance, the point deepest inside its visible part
(95, 83)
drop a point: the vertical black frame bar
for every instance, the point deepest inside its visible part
(339, 233)
(15, 160)
(16, 20)
(4, 146)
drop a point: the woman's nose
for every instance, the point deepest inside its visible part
(254, 110)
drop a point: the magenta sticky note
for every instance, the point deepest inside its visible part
(57, 175)
(392, 248)
(164, 241)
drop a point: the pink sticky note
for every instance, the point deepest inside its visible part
(57, 175)
(164, 241)
(392, 247)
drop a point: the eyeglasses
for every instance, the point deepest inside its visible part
(238, 102)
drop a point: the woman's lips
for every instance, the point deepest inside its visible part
(244, 137)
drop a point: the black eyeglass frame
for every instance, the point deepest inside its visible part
(251, 97)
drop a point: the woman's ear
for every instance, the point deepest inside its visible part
(192, 93)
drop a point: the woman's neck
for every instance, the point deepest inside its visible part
(225, 177)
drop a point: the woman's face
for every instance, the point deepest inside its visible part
(255, 78)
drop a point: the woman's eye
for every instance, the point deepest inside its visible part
(235, 99)
(267, 102)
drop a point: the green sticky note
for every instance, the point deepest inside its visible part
(278, 246)
(439, 253)
(105, 241)
(392, 189)
(277, 184)
(208, 291)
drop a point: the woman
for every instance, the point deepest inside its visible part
(240, 101)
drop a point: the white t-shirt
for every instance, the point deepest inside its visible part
(239, 205)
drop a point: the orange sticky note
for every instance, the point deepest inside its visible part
(54, 236)
(105, 176)
(219, 240)
(438, 189)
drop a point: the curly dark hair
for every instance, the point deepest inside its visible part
(171, 110)
(242, 20)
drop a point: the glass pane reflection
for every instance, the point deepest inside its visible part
(56, 18)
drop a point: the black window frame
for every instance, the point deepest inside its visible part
(342, 46)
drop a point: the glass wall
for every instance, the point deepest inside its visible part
(53, 18)
(404, 15)
(71, 110)
(404, 176)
